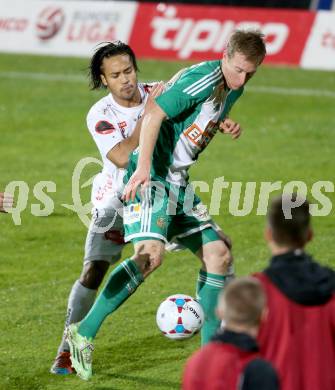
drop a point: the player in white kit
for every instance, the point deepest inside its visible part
(114, 123)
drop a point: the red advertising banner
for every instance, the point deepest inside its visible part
(171, 31)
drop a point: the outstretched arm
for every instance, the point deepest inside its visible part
(150, 127)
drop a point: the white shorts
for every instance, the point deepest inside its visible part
(98, 246)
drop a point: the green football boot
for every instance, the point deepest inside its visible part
(81, 350)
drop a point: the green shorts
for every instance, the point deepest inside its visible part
(170, 214)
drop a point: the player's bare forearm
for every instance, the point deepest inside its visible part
(151, 124)
(152, 121)
(120, 153)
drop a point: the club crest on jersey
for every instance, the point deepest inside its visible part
(147, 88)
(132, 214)
(104, 127)
(122, 127)
(160, 222)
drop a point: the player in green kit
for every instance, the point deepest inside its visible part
(176, 128)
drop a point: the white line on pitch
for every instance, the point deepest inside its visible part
(43, 76)
(292, 91)
(82, 79)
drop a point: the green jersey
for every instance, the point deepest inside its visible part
(194, 104)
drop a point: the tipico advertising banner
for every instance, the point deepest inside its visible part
(198, 32)
(164, 31)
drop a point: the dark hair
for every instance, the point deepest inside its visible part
(289, 220)
(250, 43)
(108, 49)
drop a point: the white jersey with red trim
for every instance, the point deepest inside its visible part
(109, 124)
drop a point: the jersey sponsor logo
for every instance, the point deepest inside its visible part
(194, 134)
(132, 214)
(104, 127)
(49, 22)
(199, 137)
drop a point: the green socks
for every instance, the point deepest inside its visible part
(125, 279)
(209, 287)
(122, 282)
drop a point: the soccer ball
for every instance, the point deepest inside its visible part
(179, 317)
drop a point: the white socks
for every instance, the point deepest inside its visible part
(80, 301)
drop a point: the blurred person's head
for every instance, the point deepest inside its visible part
(288, 223)
(241, 305)
(244, 53)
(113, 66)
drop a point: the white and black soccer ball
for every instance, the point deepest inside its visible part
(179, 317)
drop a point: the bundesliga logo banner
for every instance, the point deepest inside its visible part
(69, 28)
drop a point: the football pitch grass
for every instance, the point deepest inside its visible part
(289, 135)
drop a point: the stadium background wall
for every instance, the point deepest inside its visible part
(297, 37)
(291, 4)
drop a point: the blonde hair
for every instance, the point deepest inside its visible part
(243, 301)
(250, 43)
